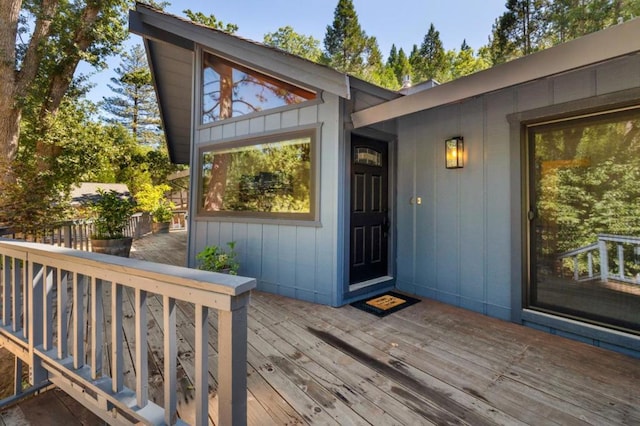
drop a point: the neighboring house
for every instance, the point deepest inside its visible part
(335, 189)
(87, 192)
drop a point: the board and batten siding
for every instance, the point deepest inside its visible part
(457, 246)
(290, 260)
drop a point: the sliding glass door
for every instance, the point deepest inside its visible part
(584, 176)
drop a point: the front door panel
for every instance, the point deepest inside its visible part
(369, 199)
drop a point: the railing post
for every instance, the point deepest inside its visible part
(604, 260)
(232, 363)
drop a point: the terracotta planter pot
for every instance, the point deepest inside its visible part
(118, 247)
(160, 228)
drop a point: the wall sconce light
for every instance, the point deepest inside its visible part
(454, 153)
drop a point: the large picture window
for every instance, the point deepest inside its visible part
(230, 90)
(273, 177)
(585, 232)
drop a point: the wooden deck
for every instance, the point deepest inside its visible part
(427, 364)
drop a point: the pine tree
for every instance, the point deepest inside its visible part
(434, 61)
(417, 64)
(345, 42)
(521, 30)
(399, 64)
(134, 104)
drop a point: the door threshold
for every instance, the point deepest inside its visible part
(374, 281)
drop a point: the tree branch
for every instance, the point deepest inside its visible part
(33, 57)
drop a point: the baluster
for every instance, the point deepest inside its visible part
(47, 309)
(621, 261)
(16, 286)
(202, 365)
(142, 371)
(576, 272)
(5, 281)
(26, 290)
(604, 260)
(117, 357)
(35, 327)
(170, 354)
(97, 318)
(62, 296)
(78, 320)
(590, 264)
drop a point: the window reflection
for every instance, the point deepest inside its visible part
(586, 234)
(272, 177)
(230, 90)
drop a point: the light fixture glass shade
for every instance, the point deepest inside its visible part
(454, 153)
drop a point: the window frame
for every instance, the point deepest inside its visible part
(199, 102)
(311, 218)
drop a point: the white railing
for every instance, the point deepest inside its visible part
(49, 296)
(597, 257)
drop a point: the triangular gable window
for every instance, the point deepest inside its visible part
(230, 90)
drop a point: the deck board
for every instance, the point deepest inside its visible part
(430, 363)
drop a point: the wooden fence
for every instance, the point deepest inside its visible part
(76, 234)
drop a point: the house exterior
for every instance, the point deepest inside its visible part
(334, 189)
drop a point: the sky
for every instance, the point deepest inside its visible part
(400, 22)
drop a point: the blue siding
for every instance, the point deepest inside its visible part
(287, 259)
(458, 246)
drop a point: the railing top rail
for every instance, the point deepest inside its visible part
(629, 239)
(188, 278)
(578, 251)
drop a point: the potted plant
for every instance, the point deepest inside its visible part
(151, 199)
(111, 213)
(214, 258)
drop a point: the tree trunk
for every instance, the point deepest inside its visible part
(9, 111)
(214, 198)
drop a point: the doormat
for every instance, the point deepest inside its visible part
(385, 304)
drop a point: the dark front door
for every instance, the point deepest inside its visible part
(369, 199)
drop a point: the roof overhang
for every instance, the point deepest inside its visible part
(171, 41)
(616, 41)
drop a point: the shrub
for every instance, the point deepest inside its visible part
(214, 258)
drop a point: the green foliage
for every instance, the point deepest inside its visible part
(520, 31)
(399, 64)
(431, 63)
(110, 213)
(345, 42)
(210, 21)
(134, 102)
(287, 39)
(151, 199)
(214, 258)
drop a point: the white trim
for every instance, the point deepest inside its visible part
(369, 283)
(618, 40)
